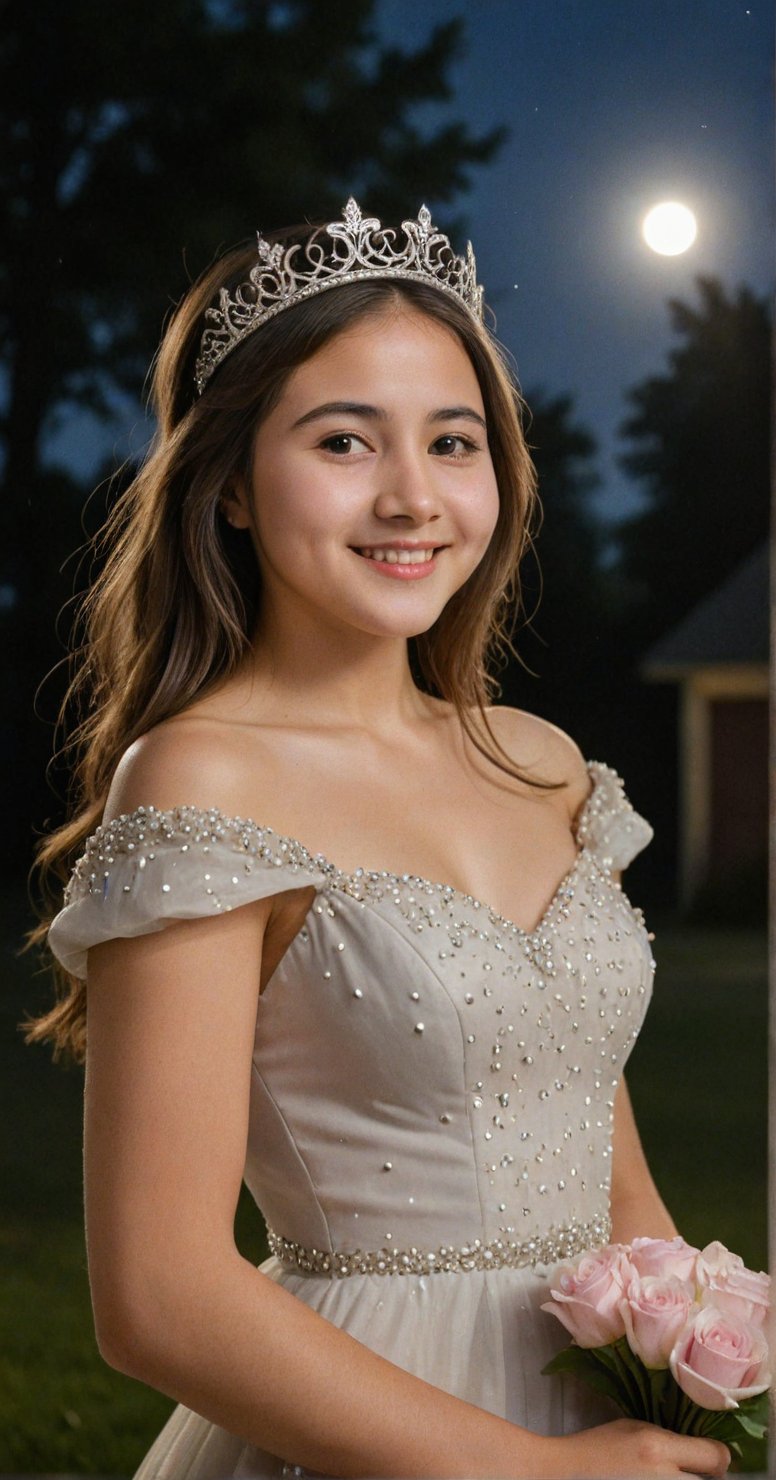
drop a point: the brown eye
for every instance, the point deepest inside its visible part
(342, 443)
(452, 444)
(338, 444)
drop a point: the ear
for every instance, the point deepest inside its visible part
(233, 504)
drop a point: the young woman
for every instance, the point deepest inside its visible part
(289, 741)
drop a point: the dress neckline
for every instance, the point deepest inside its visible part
(450, 892)
(131, 832)
(354, 882)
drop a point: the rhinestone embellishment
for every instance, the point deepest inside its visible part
(540, 1023)
(135, 833)
(549, 1248)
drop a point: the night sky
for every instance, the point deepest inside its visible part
(612, 105)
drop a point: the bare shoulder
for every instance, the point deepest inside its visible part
(186, 761)
(544, 750)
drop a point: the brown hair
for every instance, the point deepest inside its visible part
(172, 612)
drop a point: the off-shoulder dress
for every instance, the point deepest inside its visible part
(431, 1097)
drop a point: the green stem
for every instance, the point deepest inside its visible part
(633, 1379)
(675, 1398)
(661, 1387)
(705, 1422)
(685, 1414)
(607, 1358)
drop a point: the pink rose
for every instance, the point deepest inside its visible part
(719, 1360)
(655, 1311)
(726, 1283)
(663, 1257)
(586, 1296)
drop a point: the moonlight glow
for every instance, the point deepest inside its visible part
(669, 228)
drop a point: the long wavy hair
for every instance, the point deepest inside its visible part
(173, 611)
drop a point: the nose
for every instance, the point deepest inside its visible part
(408, 489)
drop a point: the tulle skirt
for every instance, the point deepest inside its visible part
(479, 1335)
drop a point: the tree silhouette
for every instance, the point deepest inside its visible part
(165, 128)
(143, 137)
(700, 438)
(565, 646)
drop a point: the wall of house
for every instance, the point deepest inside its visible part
(739, 783)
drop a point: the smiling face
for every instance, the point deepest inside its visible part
(373, 495)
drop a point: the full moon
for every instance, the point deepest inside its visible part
(669, 228)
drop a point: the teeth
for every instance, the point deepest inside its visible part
(398, 557)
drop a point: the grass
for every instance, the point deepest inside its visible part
(698, 1080)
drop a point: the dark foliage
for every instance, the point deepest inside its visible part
(564, 585)
(700, 445)
(141, 138)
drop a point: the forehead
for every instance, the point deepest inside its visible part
(398, 350)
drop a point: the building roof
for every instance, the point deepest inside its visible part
(730, 625)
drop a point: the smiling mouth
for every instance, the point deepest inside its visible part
(389, 556)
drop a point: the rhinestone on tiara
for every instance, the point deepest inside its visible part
(358, 247)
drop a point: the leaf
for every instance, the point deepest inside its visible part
(751, 1454)
(590, 1366)
(750, 1418)
(755, 1408)
(566, 1360)
(743, 1431)
(753, 1426)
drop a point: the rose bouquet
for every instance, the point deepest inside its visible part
(674, 1335)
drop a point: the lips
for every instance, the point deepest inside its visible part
(400, 561)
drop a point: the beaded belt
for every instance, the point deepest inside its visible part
(557, 1244)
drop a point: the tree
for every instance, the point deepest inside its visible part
(566, 642)
(701, 449)
(162, 129)
(142, 137)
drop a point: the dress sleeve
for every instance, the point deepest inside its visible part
(148, 868)
(608, 827)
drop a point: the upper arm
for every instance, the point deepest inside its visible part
(179, 763)
(170, 1029)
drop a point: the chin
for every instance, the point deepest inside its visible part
(412, 615)
(400, 625)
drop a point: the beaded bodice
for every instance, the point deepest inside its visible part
(428, 1078)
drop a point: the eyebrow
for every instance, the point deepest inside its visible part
(459, 413)
(340, 408)
(375, 413)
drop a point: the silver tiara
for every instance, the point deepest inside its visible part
(358, 248)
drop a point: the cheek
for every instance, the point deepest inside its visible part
(486, 511)
(289, 513)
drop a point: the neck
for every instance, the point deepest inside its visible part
(305, 673)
